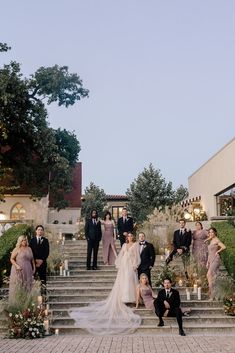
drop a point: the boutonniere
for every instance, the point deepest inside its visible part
(41, 241)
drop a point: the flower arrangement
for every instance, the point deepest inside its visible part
(229, 305)
(165, 272)
(28, 323)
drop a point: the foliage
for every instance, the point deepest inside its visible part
(147, 192)
(229, 305)
(94, 198)
(181, 193)
(7, 244)
(165, 272)
(25, 318)
(34, 154)
(226, 233)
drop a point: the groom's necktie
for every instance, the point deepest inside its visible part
(167, 295)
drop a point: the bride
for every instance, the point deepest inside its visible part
(112, 316)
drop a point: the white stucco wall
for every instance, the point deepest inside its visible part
(73, 214)
(35, 210)
(215, 175)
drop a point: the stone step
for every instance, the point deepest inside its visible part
(88, 290)
(199, 312)
(153, 320)
(190, 329)
(60, 303)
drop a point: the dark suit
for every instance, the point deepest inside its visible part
(123, 227)
(147, 257)
(40, 252)
(182, 241)
(93, 235)
(174, 302)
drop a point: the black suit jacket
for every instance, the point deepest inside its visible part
(173, 300)
(147, 256)
(40, 251)
(127, 226)
(182, 242)
(93, 231)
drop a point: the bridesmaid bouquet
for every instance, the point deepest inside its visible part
(28, 323)
(229, 305)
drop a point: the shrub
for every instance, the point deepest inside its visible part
(226, 233)
(7, 243)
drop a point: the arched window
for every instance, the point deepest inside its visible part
(18, 211)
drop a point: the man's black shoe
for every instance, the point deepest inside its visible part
(161, 323)
(95, 268)
(182, 333)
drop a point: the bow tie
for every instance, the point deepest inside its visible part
(142, 243)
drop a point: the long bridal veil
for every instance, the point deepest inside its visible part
(110, 316)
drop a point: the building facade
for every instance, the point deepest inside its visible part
(212, 186)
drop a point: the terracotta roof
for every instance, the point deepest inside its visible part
(117, 197)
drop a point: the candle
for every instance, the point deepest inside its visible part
(187, 294)
(46, 325)
(64, 272)
(66, 265)
(46, 312)
(61, 270)
(162, 258)
(199, 293)
(180, 283)
(60, 235)
(73, 239)
(68, 273)
(48, 307)
(57, 242)
(57, 331)
(39, 300)
(195, 288)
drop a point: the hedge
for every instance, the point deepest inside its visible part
(226, 233)
(7, 244)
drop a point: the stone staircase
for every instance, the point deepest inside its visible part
(83, 287)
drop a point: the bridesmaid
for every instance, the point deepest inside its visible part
(144, 292)
(23, 268)
(200, 248)
(213, 262)
(109, 250)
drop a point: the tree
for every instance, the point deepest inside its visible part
(181, 193)
(148, 191)
(94, 198)
(37, 156)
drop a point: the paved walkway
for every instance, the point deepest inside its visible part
(124, 344)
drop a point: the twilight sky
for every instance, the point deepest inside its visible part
(161, 76)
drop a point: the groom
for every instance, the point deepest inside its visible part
(147, 257)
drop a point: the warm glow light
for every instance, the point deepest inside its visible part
(187, 215)
(2, 216)
(196, 211)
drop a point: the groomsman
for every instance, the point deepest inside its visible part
(125, 225)
(40, 248)
(147, 256)
(167, 303)
(181, 241)
(93, 236)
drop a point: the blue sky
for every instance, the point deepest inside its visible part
(161, 76)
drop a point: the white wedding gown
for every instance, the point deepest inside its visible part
(111, 316)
